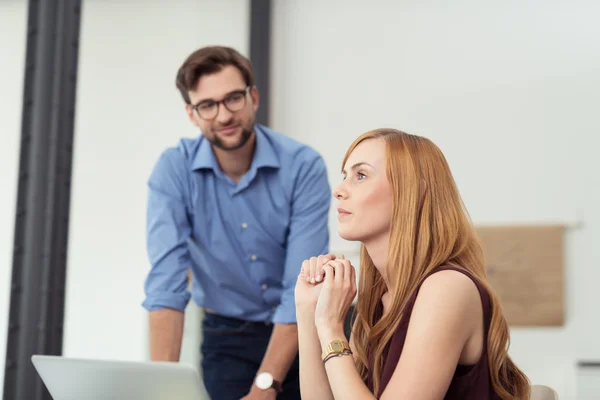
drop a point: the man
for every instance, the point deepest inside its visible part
(241, 207)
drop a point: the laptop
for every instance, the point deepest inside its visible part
(84, 379)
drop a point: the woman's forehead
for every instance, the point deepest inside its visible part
(370, 151)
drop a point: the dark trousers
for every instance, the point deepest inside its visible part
(232, 351)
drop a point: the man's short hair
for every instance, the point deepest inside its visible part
(210, 60)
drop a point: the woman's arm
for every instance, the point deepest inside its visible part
(313, 379)
(344, 379)
(447, 313)
(441, 323)
(339, 290)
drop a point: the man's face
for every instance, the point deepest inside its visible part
(224, 108)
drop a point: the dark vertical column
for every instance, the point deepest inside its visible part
(260, 54)
(43, 198)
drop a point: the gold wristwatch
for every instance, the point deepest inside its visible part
(335, 347)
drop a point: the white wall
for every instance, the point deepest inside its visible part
(128, 111)
(508, 90)
(13, 23)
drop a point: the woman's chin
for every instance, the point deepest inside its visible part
(347, 234)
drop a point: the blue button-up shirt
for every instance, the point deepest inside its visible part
(244, 243)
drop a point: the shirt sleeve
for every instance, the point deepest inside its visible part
(167, 230)
(309, 231)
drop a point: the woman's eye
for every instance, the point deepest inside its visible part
(361, 176)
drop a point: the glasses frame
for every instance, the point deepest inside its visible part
(222, 101)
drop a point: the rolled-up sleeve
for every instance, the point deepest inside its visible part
(309, 230)
(167, 231)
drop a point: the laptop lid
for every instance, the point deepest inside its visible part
(85, 379)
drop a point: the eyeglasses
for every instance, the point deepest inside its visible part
(233, 101)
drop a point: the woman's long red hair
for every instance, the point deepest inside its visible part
(431, 228)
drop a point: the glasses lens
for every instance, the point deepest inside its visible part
(235, 102)
(207, 111)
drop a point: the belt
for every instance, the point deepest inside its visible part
(240, 321)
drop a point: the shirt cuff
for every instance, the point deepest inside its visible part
(176, 301)
(286, 312)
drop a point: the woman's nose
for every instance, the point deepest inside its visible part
(339, 192)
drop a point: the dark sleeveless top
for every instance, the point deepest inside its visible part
(469, 381)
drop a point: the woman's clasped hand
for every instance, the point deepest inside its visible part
(326, 285)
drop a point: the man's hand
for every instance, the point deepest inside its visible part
(259, 394)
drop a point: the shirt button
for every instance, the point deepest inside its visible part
(264, 286)
(253, 257)
(244, 225)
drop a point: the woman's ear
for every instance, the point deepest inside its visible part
(422, 191)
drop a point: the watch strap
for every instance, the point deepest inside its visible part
(335, 347)
(277, 386)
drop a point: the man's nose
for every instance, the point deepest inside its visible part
(223, 114)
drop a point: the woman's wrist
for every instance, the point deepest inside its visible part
(305, 313)
(330, 332)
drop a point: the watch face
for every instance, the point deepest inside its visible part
(337, 346)
(264, 380)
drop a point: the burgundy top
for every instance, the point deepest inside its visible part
(469, 381)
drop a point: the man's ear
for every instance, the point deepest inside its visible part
(191, 113)
(255, 97)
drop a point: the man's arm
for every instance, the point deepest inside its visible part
(308, 236)
(167, 231)
(166, 330)
(281, 351)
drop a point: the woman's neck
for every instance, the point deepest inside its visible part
(378, 251)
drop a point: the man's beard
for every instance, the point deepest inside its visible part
(244, 137)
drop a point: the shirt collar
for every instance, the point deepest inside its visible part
(264, 153)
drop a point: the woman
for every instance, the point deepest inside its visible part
(428, 325)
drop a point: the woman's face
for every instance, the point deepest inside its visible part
(364, 196)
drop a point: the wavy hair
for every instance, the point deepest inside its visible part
(432, 228)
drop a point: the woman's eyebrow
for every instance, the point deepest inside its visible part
(358, 164)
